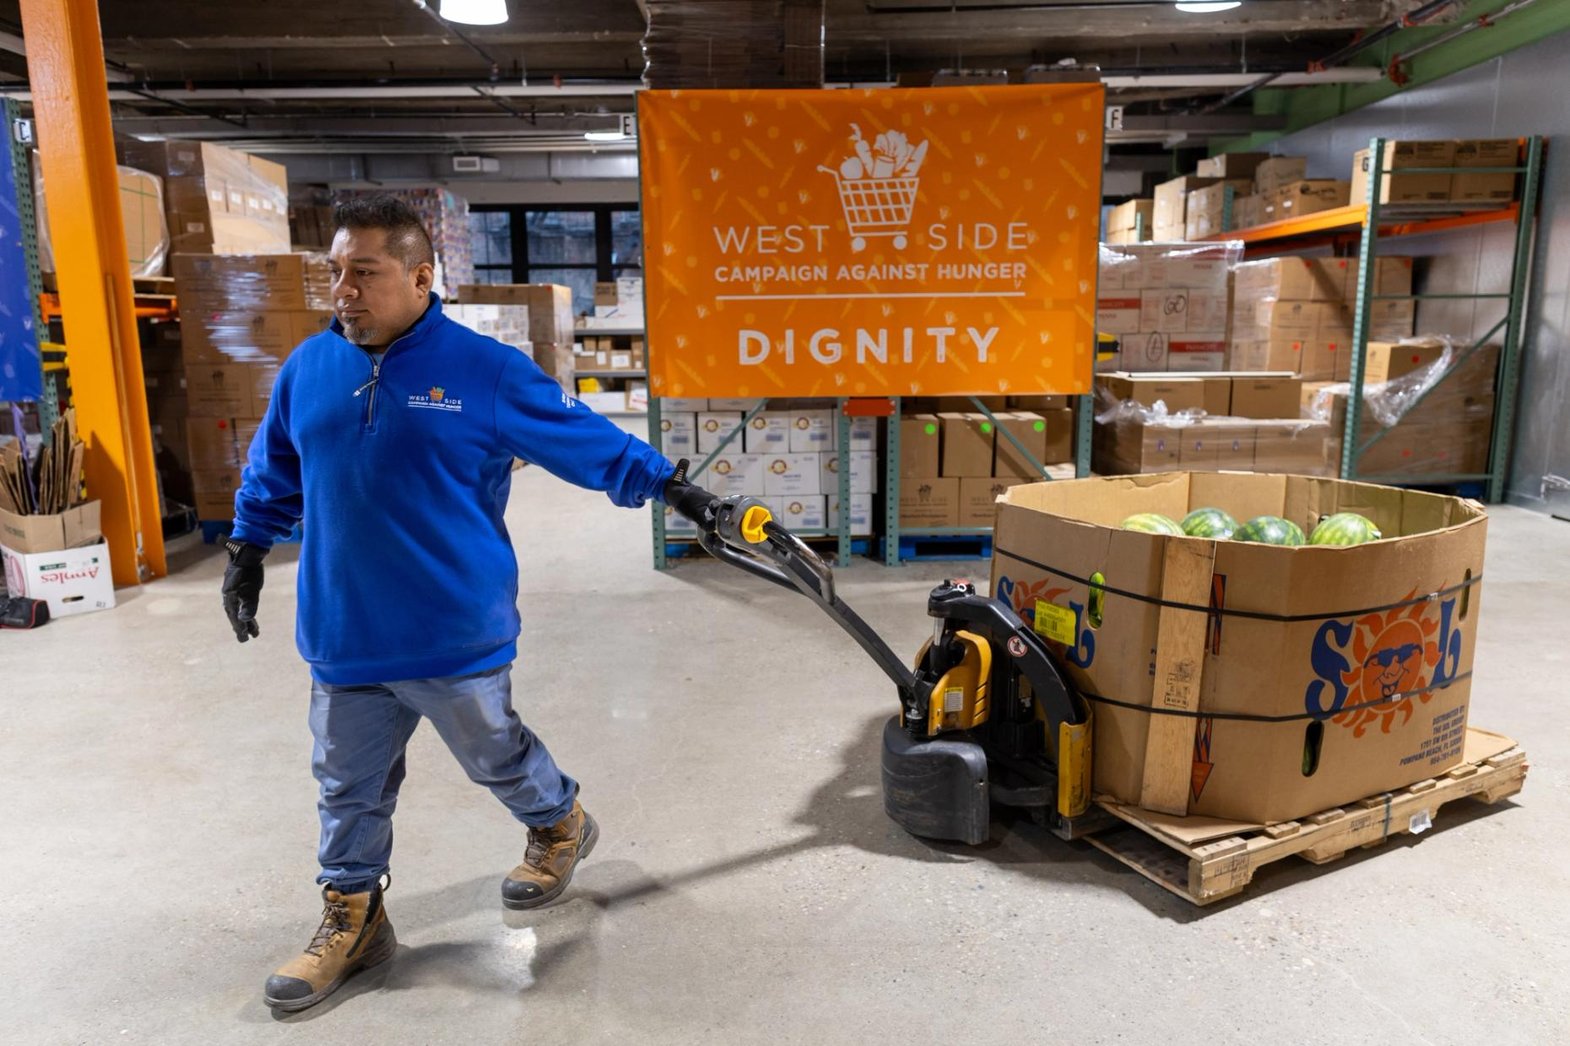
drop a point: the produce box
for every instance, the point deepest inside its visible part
(1367, 686)
(1231, 165)
(1406, 188)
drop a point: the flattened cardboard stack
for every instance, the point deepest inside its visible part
(1166, 304)
(240, 318)
(1292, 314)
(1350, 702)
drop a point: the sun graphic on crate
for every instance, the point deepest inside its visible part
(1024, 597)
(1395, 654)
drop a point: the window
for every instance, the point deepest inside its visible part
(574, 246)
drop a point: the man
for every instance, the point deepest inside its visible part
(392, 436)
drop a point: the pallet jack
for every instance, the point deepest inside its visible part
(986, 714)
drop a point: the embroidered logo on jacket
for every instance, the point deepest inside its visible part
(436, 398)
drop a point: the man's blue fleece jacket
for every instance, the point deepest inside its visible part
(400, 472)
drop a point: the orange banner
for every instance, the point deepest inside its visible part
(933, 241)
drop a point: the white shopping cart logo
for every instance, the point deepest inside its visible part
(878, 186)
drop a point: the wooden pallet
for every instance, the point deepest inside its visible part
(1174, 853)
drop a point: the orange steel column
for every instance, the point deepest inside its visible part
(65, 65)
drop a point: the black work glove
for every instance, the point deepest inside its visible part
(243, 587)
(691, 501)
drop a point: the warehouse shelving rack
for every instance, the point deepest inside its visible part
(1366, 225)
(22, 168)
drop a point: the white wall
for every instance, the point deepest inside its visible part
(1525, 92)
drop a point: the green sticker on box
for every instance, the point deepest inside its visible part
(1040, 426)
(986, 426)
(930, 429)
(1055, 623)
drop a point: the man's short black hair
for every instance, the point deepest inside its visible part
(407, 239)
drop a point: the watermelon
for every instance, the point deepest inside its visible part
(1152, 523)
(1270, 530)
(1209, 523)
(1344, 528)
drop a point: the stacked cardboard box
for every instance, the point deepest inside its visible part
(1448, 432)
(1291, 314)
(1170, 212)
(1131, 222)
(550, 323)
(1300, 198)
(786, 456)
(141, 215)
(1206, 210)
(618, 304)
(217, 200)
(240, 318)
(954, 464)
(1167, 306)
(1439, 187)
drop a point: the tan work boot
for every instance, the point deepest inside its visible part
(354, 935)
(548, 862)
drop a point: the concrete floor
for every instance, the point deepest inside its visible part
(160, 835)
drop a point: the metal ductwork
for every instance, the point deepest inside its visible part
(733, 43)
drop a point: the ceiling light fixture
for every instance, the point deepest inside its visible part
(1206, 7)
(475, 12)
(605, 136)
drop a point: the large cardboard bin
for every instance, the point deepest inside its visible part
(1285, 681)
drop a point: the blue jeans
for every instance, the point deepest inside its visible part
(361, 733)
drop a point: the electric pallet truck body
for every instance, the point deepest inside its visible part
(985, 713)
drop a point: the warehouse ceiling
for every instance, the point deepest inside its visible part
(390, 75)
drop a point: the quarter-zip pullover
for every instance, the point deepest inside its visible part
(400, 469)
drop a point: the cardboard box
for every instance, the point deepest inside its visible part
(1277, 352)
(1310, 197)
(1301, 318)
(967, 445)
(1126, 216)
(863, 433)
(1288, 446)
(713, 429)
(1031, 430)
(550, 306)
(214, 443)
(1060, 436)
(1248, 211)
(215, 390)
(1392, 275)
(1206, 208)
(731, 474)
(1231, 165)
(1197, 351)
(1145, 351)
(77, 526)
(1171, 203)
(271, 282)
(1311, 390)
(768, 433)
(920, 444)
(1290, 279)
(1342, 724)
(605, 294)
(1387, 361)
(1265, 397)
(142, 216)
(863, 472)
(929, 501)
(1118, 312)
(684, 405)
(811, 431)
(214, 492)
(742, 404)
(978, 499)
(1482, 152)
(793, 474)
(1131, 447)
(679, 435)
(71, 581)
(1277, 172)
(860, 513)
(1234, 444)
(1389, 320)
(800, 512)
(1147, 390)
(1164, 311)
(1170, 233)
(1406, 188)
